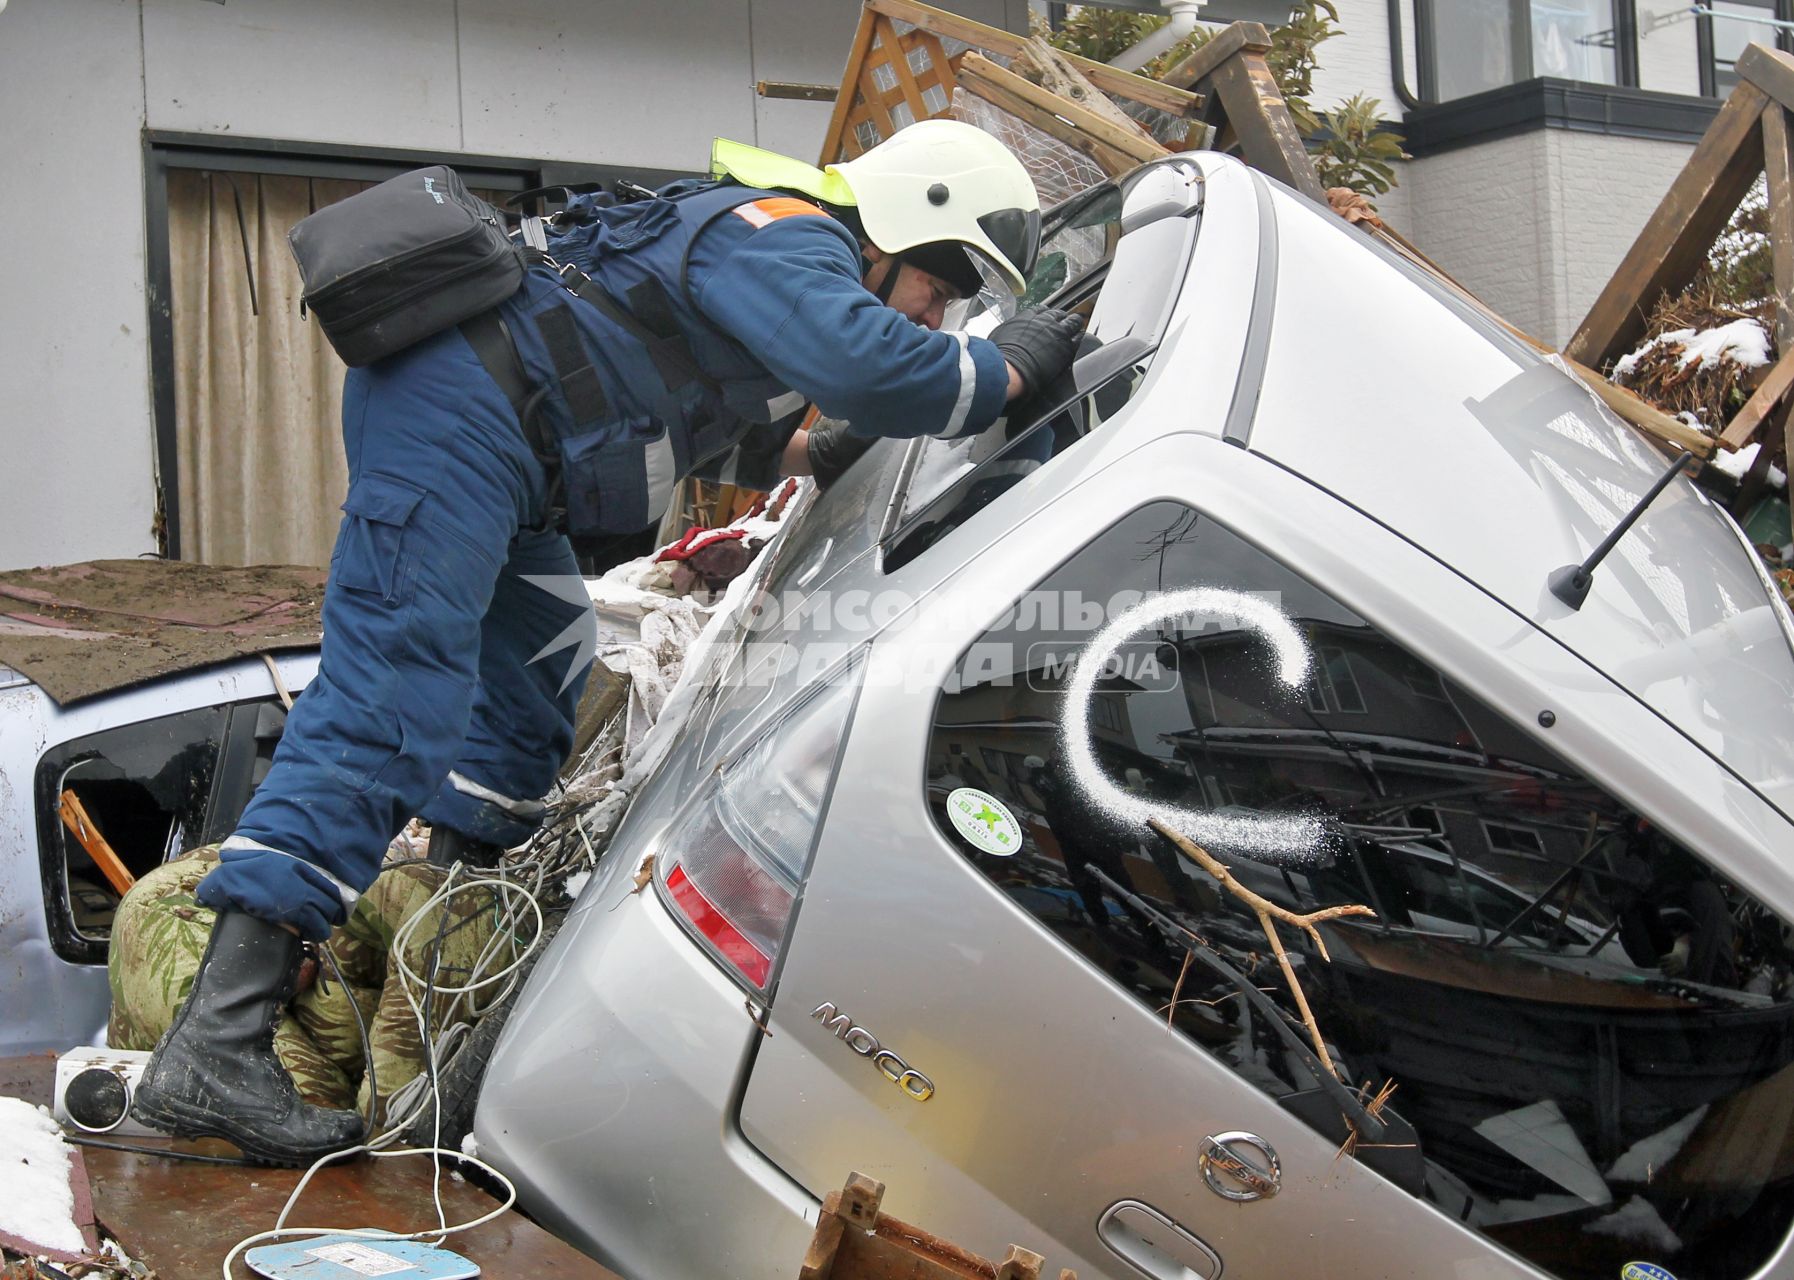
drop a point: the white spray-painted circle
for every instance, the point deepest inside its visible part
(1266, 837)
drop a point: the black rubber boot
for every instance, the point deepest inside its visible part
(448, 846)
(215, 1074)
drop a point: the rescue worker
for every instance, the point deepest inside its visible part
(678, 334)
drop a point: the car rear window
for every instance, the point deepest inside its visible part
(1589, 1029)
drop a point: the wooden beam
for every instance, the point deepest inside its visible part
(1763, 400)
(850, 78)
(1778, 166)
(1675, 241)
(1123, 84)
(1052, 113)
(1269, 140)
(1056, 74)
(81, 826)
(1231, 39)
(1770, 70)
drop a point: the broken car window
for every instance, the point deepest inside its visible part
(1589, 1029)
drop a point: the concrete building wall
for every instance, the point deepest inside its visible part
(597, 81)
(1603, 190)
(1535, 224)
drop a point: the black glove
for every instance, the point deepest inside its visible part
(1039, 344)
(833, 448)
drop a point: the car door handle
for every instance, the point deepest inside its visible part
(1154, 1245)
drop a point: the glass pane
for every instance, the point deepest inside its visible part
(1473, 45)
(1588, 1027)
(1573, 40)
(1733, 30)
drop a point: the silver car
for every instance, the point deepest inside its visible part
(1270, 569)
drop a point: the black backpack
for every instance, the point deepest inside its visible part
(402, 261)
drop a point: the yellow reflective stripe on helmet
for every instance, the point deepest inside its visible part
(756, 167)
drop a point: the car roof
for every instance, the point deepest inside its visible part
(82, 630)
(1382, 386)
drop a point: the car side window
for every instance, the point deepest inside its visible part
(1077, 242)
(116, 804)
(1587, 1028)
(1017, 457)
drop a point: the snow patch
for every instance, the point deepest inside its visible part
(36, 1202)
(470, 1147)
(577, 882)
(1737, 463)
(1744, 341)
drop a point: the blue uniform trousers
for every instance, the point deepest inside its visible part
(440, 653)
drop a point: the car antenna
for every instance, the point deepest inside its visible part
(1571, 583)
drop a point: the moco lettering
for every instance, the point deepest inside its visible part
(863, 1042)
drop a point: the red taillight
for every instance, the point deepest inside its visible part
(731, 862)
(730, 943)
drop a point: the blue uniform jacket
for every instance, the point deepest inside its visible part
(772, 308)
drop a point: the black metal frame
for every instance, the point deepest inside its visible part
(1545, 103)
(165, 151)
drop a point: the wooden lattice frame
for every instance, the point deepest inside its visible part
(1749, 136)
(883, 89)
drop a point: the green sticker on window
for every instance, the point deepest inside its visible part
(982, 819)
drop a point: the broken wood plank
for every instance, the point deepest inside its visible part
(1778, 167)
(81, 826)
(1269, 141)
(1675, 241)
(1768, 394)
(1115, 150)
(1113, 80)
(1250, 37)
(1770, 70)
(795, 92)
(1057, 75)
(854, 1240)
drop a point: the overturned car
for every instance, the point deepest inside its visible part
(1272, 570)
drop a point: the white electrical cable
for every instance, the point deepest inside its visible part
(537, 871)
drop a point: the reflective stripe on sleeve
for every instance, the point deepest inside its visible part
(343, 891)
(529, 810)
(968, 387)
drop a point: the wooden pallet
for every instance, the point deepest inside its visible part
(855, 1241)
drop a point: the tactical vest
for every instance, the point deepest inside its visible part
(624, 386)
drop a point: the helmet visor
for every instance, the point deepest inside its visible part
(1016, 234)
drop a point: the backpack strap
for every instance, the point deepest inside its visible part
(665, 342)
(492, 341)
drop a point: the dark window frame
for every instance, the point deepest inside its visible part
(1624, 15)
(164, 151)
(1779, 10)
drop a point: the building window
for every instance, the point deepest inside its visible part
(1733, 25)
(1472, 46)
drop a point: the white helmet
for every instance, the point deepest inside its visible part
(946, 183)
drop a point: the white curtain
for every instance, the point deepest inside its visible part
(258, 393)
